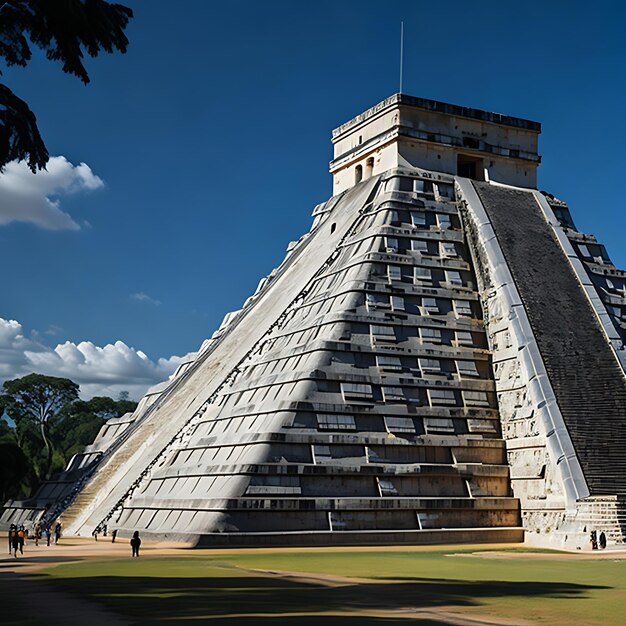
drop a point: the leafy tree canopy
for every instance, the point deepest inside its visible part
(37, 398)
(36, 401)
(51, 425)
(103, 407)
(65, 30)
(81, 422)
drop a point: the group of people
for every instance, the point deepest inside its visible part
(19, 534)
(598, 541)
(104, 530)
(135, 542)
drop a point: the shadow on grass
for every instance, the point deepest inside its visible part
(320, 620)
(14, 604)
(262, 600)
(12, 563)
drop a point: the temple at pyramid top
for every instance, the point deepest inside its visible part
(405, 131)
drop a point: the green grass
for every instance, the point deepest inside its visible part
(545, 590)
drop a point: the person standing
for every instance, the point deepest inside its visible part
(602, 540)
(48, 534)
(57, 532)
(37, 533)
(135, 542)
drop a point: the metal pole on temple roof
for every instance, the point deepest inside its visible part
(401, 52)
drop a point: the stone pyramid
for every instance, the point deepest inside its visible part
(439, 359)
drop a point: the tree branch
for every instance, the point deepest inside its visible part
(19, 136)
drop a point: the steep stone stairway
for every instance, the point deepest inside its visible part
(584, 372)
(90, 496)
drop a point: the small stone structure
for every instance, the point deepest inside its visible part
(439, 359)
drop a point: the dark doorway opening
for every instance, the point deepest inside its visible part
(470, 167)
(358, 174)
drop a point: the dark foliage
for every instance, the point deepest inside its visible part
(19, 135)
(103, 407)
(81, 422)
(65, 30)
(51, 426)
(14, 469)
(36, 402)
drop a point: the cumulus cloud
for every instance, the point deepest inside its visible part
(144, 297)
(99, 370)
(35, 198)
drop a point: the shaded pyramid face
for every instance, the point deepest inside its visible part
(351, 400)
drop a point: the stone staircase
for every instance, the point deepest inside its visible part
(587, 379)
(88, 497)
(607, 514)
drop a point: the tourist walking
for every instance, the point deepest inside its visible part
(135, 542)
(602, 540)
(12, 529)
(37, 533)
(114, 535)
(15, 542)
(48, 534)
(57, 532)
(21, 538)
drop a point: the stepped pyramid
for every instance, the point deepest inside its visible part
(439, 359)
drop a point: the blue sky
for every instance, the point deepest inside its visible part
(210, 139)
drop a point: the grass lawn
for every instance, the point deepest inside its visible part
(516, 585)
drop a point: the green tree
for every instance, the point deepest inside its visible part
(6, 432)
(34, 402)
(64, 30)
(102, 407)
(81, 421)
(15, 468)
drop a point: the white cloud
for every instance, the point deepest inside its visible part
(34, 198)
(52, 330)
(144, 297)
(99, 370)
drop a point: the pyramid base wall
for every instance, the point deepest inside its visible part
(21, 513)
(342, 538)
(571, 530)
